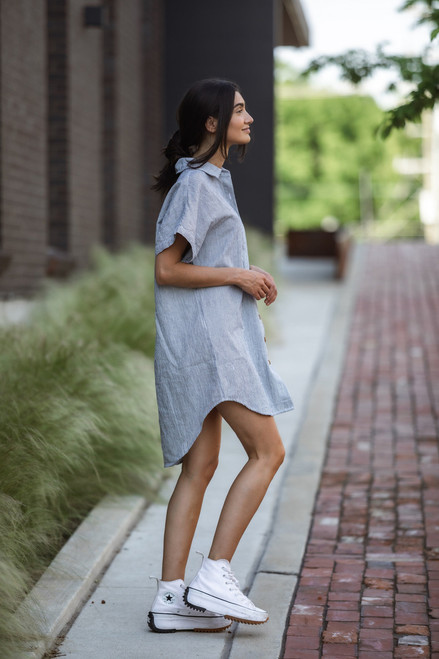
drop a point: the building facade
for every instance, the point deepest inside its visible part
(88, 92)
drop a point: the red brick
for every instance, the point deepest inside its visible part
(404, 597)
(302, 630)
(412, 629)
(400, 653)
(411, 618)
(302, 654)
(343, 596)
(302, 642)
(377, 623)
(411, 588)
(380, 634)
(339, 632)
(378, 645)
(343, 615)
(410, 578)
(412, 607)
(338, 650)
(306, 620)
(374, 611)
(343, 606)
(380, 584)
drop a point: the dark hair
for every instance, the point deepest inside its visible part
(206, 98)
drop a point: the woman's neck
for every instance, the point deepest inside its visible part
(217, 159)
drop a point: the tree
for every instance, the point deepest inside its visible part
(358, 65)
(324, 145)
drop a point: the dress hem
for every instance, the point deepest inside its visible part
(289, 408)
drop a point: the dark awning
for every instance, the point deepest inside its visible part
(293, 29)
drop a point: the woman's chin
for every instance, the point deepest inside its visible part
(241, 142)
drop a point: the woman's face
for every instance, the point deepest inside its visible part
(238, 130)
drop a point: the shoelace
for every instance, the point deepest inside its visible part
(231, 580)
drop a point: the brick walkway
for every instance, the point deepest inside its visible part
(369, 585)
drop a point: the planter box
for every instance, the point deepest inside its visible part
(59, 264)
(320, 243)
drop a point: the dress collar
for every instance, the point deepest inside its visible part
(208, 167)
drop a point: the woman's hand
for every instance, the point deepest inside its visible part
(267, 286)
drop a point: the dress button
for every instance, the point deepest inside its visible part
(265, 339)
(269, 362)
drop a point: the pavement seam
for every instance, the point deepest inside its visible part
(339, 330)
(331, 361)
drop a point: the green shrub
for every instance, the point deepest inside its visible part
(78, 417)
(111, 303)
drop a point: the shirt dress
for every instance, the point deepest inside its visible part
(210, 344)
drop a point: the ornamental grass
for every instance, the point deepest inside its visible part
(78, 418)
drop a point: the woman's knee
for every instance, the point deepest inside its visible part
(271, 455)
(280, 453)
(200, 472)
(277, 455)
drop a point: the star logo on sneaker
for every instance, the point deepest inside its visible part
(169, 598)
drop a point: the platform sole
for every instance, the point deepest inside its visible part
(200, 601)
(169, 624)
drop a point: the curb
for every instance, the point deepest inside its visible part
(59, 594)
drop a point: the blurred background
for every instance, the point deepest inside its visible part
(89, 91)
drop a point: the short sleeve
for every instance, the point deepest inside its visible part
(185, 211)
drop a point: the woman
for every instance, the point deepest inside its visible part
(211, 359)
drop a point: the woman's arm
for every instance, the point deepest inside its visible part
(170, 271)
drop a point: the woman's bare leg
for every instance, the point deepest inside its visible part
(263, 445)
(184, 506)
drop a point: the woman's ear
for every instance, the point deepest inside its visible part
(211, 124)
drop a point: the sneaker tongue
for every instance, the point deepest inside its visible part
(223, 562)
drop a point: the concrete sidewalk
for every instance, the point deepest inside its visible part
(311, 317)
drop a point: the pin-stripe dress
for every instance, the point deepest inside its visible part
(210, 344)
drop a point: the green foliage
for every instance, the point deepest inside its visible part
(323, 144)
(429, 14)
(113, 303)
(260, 250)
(78, 417)
(358, 65)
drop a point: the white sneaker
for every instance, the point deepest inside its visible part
(170, 613)
(216, 588)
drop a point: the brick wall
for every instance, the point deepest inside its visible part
(153, 110)
(80, 130)
(85, 131)
(133, 55)
(57, 125)
(23, 183)
(128, 120)
(109, 228)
